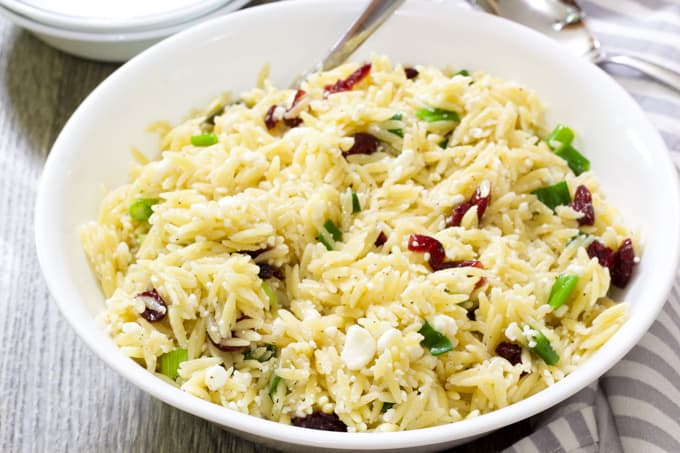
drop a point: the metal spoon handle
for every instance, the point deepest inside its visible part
(376, 12)
(653, 70)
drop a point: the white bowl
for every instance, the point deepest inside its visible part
(111, 17)
(110, 47)
(189, 69)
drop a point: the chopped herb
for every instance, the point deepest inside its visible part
(170, 362)
(397, 117)
(434, 340)
(544, 350)
(261, 353)
(561, 290)
(433, 114)
(271, 295)
(386, 406)
(397, 132)
(333, 230)
(356, 206)
(444, 143)
(555, 195)
(140, 209)
(274, 385)
(463, 72)
(576, 161)
(203, 139)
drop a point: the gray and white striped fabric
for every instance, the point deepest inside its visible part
(635, 407)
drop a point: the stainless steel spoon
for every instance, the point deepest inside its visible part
(375, 14)
(564, 21)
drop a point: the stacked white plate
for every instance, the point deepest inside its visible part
(110, 30)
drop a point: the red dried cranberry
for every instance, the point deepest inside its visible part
(624, 260)
(482, 202)
(269, 271)
(583, 203)
(348, 83)
(510, 352)
(292, 122)
(411, 73)
(322, 421)
(604, 254)
(427, 244)
(156, 309)
(363, 144)
(381, 239)
(269, 119)
(462, 263)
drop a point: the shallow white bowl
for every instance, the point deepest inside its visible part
(188, 70)
(108, 46)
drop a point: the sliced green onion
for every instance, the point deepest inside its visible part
(386, 406)
(561, 290)
(433, 114)
(444, 143)
(397, 132)
(559, 137)
(356, 206)
(576, 161)
(261, 353)
(140, 209)
(321, 237)
(170, 362)
(203, 139)
(544, 350)
(269, 292)
(554, 196)
(274, 385)
(333, 230)
(434, 340)
(463, 72)
(397, 117)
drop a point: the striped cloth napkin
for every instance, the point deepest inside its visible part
(635, 407)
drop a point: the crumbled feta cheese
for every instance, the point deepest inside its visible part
(215, 377)
(513, 332)
(387, 339)
(359, 348)
(132, 328)
(446, 325)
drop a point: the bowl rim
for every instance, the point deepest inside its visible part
(255, 426)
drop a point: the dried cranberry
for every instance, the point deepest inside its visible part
(510, 352)
(604, 254)
(411, 73)
(348, 83)
(322, 421)
(292, 122)
(363, 144)
(427, 244)
(381, 239)
(624, 260)
(269, 271)
(583, 203)
(462, 263)
(156, 309)
(477, 199)
(472, 314)
(227, 348)
(269, 119)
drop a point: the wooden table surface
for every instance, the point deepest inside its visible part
(56, 395)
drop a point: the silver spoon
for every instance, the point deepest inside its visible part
(564, 21)
(370, 20)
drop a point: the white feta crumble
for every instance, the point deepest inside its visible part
(446, 325)
(513, 332)
(215, 377)
(387, 339)
(132, 328)
(359, 348)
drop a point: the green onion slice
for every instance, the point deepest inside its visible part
(434, 340)
(576, 161)
(397, 117)
(463, 72)
(433, 114)
(555, 195)
(386, 406)
(444, 143)
(561, 290)
(333, 230)
(544, 350)
(356, 206)
(271, 295)
(261, 353)
(559, 137)
(203, 139)
(140, 209)
(397, 132)
(170, 362)
(274, 385)
(321, 237)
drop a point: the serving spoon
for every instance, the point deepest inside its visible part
(565, 22)
(375, 14)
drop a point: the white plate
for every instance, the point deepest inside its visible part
(188, 70)
(110, 47)
(111, 16)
